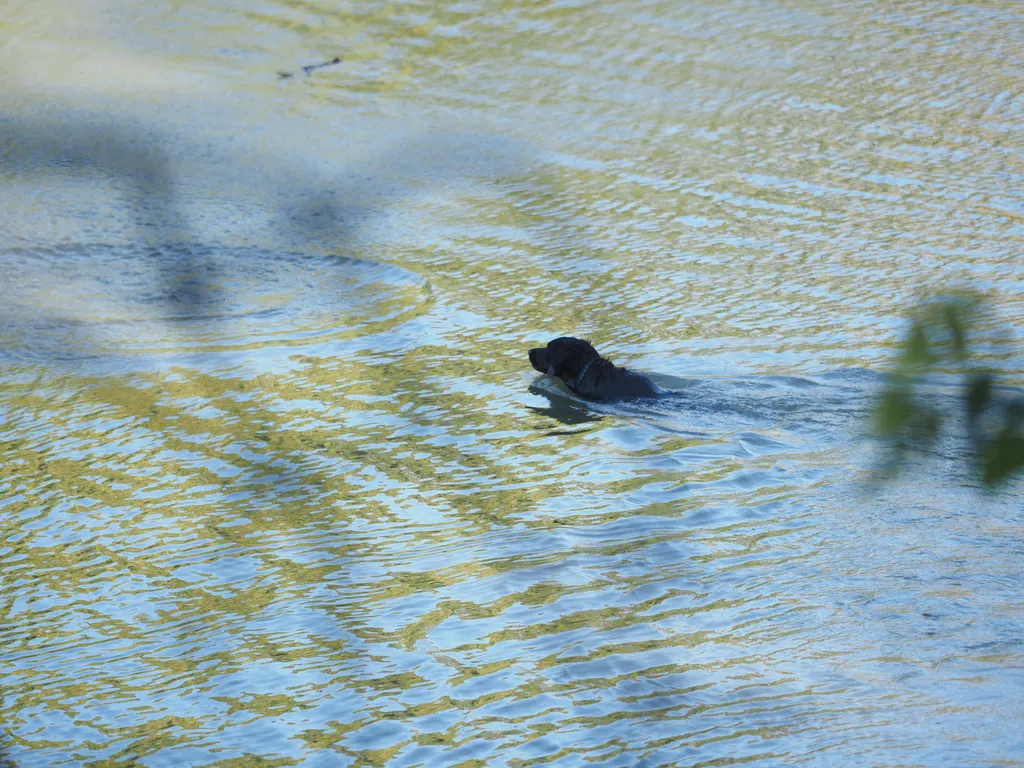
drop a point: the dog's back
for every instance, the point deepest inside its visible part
(607, 381)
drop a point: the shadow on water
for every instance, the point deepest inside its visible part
(254, 447)
(323, 209)
(563, 409)
(186, 280)
(132, 158)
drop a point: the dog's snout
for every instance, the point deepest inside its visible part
(539, 359)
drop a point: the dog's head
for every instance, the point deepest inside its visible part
(564, 357)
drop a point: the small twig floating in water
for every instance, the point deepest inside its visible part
(310, 67)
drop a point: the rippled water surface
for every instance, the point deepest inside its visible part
(279, 486)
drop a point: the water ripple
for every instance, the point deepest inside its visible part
(266, 505)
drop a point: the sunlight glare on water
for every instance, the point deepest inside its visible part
(280, 487)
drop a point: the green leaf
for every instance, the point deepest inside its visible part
(1003, 456)
(916, 353)
(895, 409)
(979, 394)
(953, 315)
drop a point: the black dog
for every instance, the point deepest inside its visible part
(588, 374)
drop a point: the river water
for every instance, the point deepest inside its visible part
(279, 486)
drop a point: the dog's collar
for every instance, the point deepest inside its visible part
(580, 376)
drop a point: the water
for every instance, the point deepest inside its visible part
(280, 487)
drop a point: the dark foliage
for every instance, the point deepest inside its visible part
(909, 422)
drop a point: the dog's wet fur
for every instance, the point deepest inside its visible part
(589, 375)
